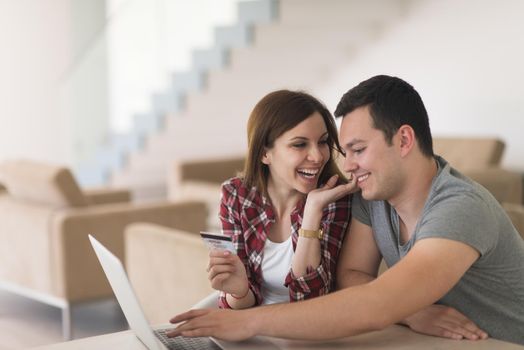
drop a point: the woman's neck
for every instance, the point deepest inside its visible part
(283, 200)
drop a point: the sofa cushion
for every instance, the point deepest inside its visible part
(516, 214)
(41, 183)
(467, 153)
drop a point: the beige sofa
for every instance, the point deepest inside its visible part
(44, 221)
(480, 159)
(200, 180)
(167, 269)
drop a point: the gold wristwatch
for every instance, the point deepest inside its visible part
(310, 233)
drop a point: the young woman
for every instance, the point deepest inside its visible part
(290, 210)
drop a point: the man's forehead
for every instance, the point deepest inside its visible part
(354, 128)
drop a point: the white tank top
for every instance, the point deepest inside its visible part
(275, 268)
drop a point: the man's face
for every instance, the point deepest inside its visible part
(369, 157)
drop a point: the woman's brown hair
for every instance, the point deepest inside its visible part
(273, 115)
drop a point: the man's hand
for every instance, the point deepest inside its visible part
(221, 324)
(444, 321)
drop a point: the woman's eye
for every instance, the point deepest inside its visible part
(358, 151)
(299, 145)
(323, 142)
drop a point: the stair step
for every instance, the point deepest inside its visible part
(261, 11)
(303, 48)
(342, 11)
(291, 36)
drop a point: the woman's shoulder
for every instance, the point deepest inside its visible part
(236, 187)
(233, 184)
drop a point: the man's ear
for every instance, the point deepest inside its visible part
(407, 139)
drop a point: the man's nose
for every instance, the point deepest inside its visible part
(350, 165)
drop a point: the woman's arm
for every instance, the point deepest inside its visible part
(245, 291)
(314, 261)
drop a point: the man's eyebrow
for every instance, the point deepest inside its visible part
(353, 143)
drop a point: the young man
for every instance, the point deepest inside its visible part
(445, 238)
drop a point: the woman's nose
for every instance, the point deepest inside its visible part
(315, 155)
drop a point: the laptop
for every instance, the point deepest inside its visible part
(152, 339)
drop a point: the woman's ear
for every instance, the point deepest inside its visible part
(266, 157)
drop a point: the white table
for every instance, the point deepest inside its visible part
(394, 337)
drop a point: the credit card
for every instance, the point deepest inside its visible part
(218, 241)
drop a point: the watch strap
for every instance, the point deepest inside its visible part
(310, 233)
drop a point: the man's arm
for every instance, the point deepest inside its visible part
(358, 265)
(359, 258)
(428, 272)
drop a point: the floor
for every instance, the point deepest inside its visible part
(25, 323)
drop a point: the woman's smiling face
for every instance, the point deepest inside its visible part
(298, 156)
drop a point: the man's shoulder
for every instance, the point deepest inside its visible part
(452, 186)
(369, 204)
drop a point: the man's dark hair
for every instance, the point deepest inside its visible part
(392, 103)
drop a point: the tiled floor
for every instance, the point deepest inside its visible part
(25, 323)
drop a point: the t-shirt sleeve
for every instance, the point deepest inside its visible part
(360, 209)
(463, 217)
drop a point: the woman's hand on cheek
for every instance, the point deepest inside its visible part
(330, 192)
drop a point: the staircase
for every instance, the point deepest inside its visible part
(294, 44)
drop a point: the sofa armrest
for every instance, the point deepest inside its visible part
(206, 192)
(504, 185)
(107, 195)
(77, 271)
(465, 153)
(167, 268)
(25, 251)
(516, 214)
(213, 171)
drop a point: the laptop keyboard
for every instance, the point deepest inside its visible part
(184, 342)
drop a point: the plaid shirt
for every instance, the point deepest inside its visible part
(247, 215)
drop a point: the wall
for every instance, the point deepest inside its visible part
(151, 39)
(85, 81)
(49, 53)
(464, 57)
(34, 42)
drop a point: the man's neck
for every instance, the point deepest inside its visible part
(409, 203)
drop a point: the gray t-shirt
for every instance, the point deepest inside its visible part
(491, 292)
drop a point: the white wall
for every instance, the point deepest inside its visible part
(52, 79)
(151, 39)
(34, 46)
(465, 58)
(85, 82)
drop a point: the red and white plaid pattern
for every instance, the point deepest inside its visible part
(247, 215)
